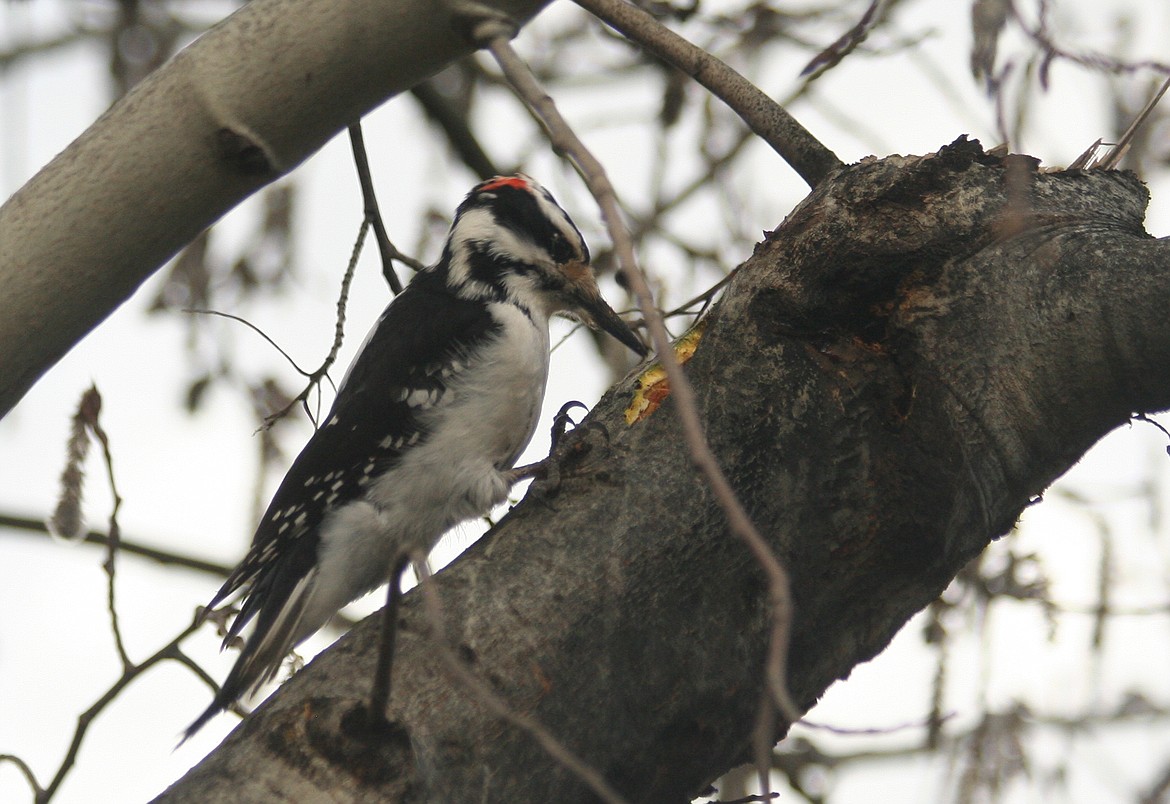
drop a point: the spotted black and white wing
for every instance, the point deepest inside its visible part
(420, 341)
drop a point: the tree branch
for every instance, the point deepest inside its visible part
(243, 104)
(373, 215)
(769, 120)
(682, 394)
(164, 557)
(130, 672)
(886, 399)
(457, 129)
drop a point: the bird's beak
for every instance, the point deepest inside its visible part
(593, 309)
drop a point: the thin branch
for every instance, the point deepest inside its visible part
(23, 50)
(874, 730)
(87, 423)
(750, 799)
(831, 56)
(456, 127)
(763, 743)
(705, 297)
(1159, 791)
(29, 776)
(485, 695)
(1153, 610)
(1113, 157)
(384, 667)
(257, 330)
(33, 525)
(373, 215)
(1040, 34)
(495, 35)
(645, 224)
(342, 301)
(768, 119)
(115, 536)
(169, 651)
(192, 665)
(322, 371)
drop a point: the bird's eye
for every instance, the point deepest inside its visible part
(561, 250)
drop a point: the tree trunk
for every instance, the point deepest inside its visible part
(895, 374)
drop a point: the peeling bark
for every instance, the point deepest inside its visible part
(893, 376)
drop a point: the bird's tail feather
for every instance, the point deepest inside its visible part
(276, 634)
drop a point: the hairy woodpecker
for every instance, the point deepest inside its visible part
(431, 416)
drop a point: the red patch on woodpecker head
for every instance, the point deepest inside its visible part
(519, 182)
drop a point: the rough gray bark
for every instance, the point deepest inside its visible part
(236, 110)
(899, 369)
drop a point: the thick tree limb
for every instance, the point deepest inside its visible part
(244, 104)
(921, 347)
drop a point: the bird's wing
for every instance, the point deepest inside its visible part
(374, 418)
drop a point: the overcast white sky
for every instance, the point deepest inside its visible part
(187, 481)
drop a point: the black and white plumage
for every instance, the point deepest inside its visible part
(433, 413)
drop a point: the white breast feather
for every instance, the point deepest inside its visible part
(454, 475)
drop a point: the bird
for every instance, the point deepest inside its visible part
(426, 426)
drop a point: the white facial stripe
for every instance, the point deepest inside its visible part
(508, 244)
(477, 228)
(475, 224)
(479, 225)
(559, 217)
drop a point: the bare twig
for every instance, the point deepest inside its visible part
(342, 301)
(750, 799)
(485, 695)
(703, 298)
(33, 525)
(23, 50)
(1111, 159)
(831, 56)
(66, 521)
(768, 119)
(456, 127)
(495, 35)
(322, 371)
(1159, 791)
(1041, 35)
(87, 423)
(763, 743)
(29, 776)
(169, 651)
(645, 224)
(115, 531)
(373, 215)
(257, 330)
(873, 730)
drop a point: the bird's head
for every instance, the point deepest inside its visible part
(511, 241)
